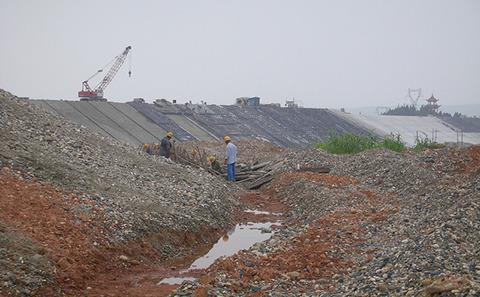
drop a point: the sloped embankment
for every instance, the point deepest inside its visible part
(127, 194)
(380, 224)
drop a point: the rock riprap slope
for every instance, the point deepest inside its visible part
(137, 194)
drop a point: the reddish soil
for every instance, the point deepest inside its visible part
(261, 202)
(86, 263)
(466, 161)
(144, 283)
(332, 181)
(329, 248)
(473, 165)
(74, 243)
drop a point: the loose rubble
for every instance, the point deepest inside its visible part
(379, 224)
(137, 194)
(133, 196)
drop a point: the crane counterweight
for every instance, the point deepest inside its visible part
(96, 94)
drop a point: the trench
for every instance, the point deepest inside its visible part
(258, 222)
(242, 236)
(257, 225)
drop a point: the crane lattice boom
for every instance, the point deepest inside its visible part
(97, 94)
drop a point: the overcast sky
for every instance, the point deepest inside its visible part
(323, 53)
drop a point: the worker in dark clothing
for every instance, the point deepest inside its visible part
(212, 160)
(166, 145)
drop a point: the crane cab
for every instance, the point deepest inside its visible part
(91, 96)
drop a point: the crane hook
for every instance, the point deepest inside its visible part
(130, 65)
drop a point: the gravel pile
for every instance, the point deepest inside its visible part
(380, 224)
(431, 244)
(137, 194)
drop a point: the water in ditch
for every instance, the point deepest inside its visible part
(241, 237)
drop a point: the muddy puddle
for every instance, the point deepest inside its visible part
(241, 237)
(260, 212)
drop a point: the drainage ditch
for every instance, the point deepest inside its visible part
(241, 237)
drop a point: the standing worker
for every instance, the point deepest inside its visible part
(166, 145)
(230, 158)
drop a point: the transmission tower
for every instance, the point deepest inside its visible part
(414, 95)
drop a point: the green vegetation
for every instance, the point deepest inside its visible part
(423, 144)
(393, 143)
(353, 144)
(423, 110)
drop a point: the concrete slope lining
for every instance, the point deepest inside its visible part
(120, 122)
(138, 123)
(44, 105)
(144, 133)
(126, 124)
(161, 120)
(359, 123)
(308, 125)
(408, 127)
(291, 127)
(104, 122)
(92, 120)
(261, 125)
(213, 136)
(222, 121)
(215, 124)
(68, 111)
(464, 124)
(187, 125)
(138, 117)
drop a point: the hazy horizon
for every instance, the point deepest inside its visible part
(322, 53)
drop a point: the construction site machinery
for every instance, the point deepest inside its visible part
(96, 94)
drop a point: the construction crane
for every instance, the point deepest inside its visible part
(96, 94)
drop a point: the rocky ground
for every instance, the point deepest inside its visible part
(380, 224)
(102, 188)
(83, 215)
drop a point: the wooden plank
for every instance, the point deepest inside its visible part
(260, 182)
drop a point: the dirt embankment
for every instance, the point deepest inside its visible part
(84, 215)
(87, 206)
(381, 224)
(53, 244)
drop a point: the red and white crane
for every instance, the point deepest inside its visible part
(96, 94)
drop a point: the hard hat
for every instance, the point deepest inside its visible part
(226, 138)
(169, 134)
